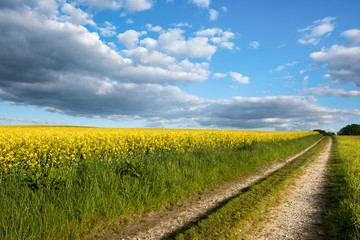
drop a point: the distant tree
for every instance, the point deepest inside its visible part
(353, 129)
(324, 133)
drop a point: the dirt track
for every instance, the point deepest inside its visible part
(301, 213)
(160, 225)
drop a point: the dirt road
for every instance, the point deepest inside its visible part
(300, 214)
(160, 225)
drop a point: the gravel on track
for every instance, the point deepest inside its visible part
(301, 213)
(160, 224)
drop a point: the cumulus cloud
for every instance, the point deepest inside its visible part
(238, 77)
(108, 30)
(76, 15)
(77, 95)
(201, 3)
(144, 56)
(278, 112)
(129, 5)
(37, 49)
(153, 28)
(313, 33)
(138, 5)
(149, 43)
(342, 62)
(213, 14)
(174, 43)
(219, 37)
(130, 38)
(103, 4)
(353, 37)
(57, 64)
(182, 24)
(219, 75)
(327, 91)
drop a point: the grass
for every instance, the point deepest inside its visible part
(67, 203)
(343, 218)
(240, 215)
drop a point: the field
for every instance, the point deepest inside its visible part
(343, 219)
(68, 181)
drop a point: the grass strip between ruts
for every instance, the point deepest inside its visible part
(237, 218)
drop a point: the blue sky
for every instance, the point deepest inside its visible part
(230, 64)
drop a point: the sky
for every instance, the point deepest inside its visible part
(210, 64)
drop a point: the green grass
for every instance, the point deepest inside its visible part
(68, 203)
(343, 218)
(240, 215)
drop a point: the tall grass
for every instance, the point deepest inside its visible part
(67, 203)
(343, 217)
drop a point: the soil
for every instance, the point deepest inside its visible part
(301, 213)
(164, 224)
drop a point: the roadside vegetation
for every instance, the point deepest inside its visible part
(343, 218)
(48, 197)
(237, 218)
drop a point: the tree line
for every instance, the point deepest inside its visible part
(353, 129)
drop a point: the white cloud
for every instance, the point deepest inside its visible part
(45, 51)
(342, 62)
(129, 5)
(130, 38)
(282, 67)
(174, 43)
(218, 37)
(353, 37)
(213, 14)
(143, 56)
(201, 3)
(76, 15)
(149, 43)
(326, 91)
(209, 32)
(312, 34)
(197, 69)
(183, 24)
(238, 77)
(129, 21)
(138, 5)
(153, 28)
(254, 44)
(219, 75)
(104, 4)
(279, 112)
(224, 9)
(224, 40)
(49, 62)
(108, 30)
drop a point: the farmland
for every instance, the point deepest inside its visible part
(68, 181)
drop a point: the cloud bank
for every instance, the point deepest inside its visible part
(50, 59)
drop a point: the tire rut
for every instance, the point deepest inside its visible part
(301, 214)
(167, 224)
